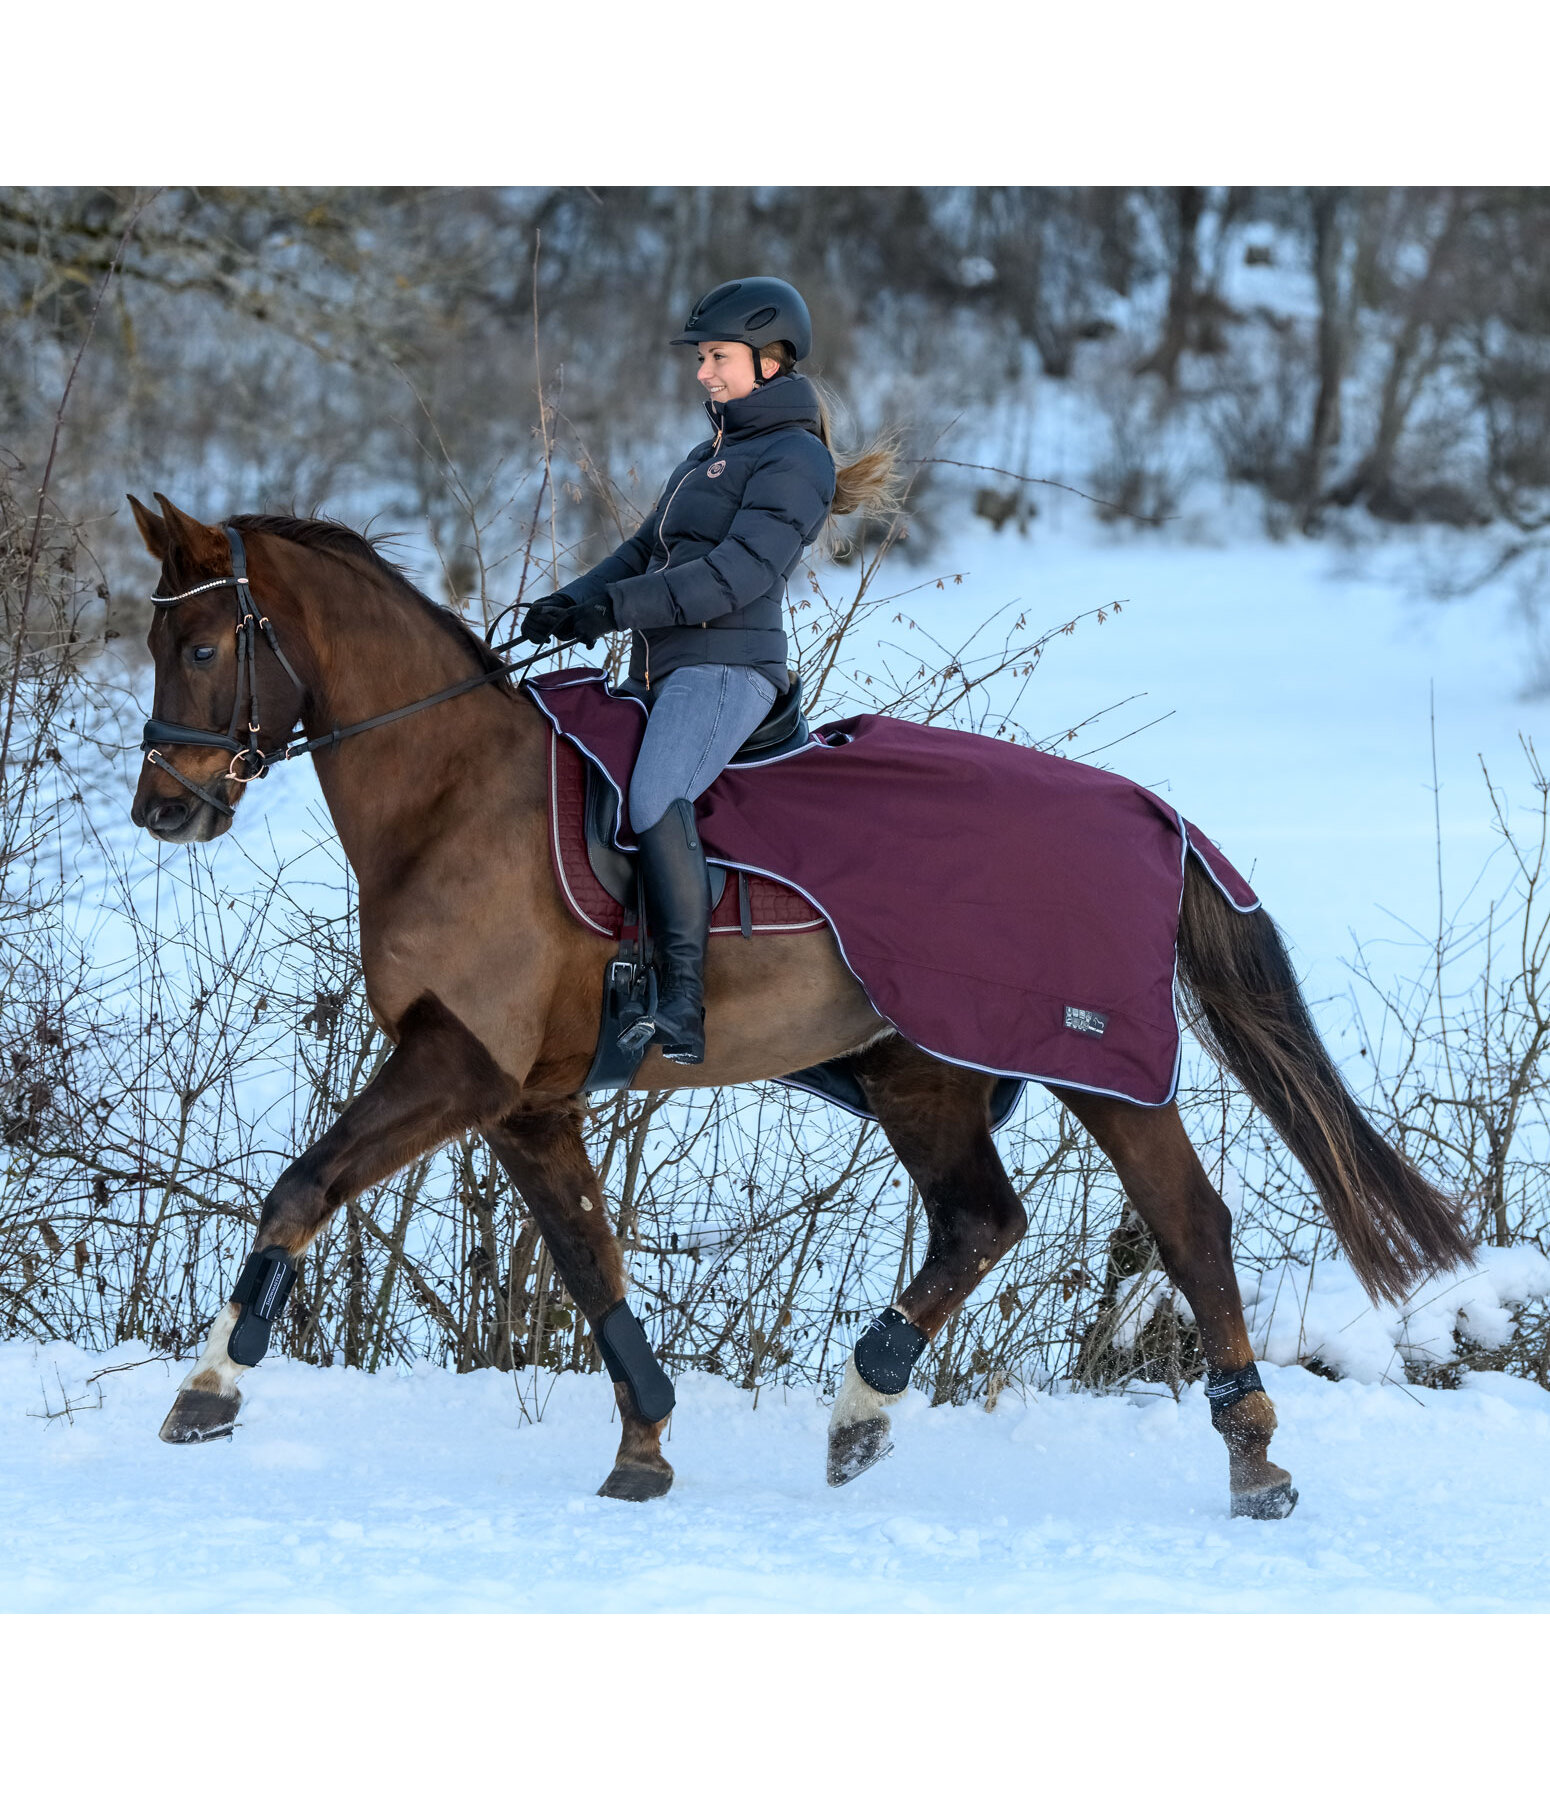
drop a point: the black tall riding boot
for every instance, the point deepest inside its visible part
(672, 867)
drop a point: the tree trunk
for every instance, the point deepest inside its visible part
(1189, 205)
(1329, 206)
(1405, 374)
(355, 1293)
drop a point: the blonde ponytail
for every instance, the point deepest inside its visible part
(869, 481)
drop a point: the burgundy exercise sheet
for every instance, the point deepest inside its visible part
(1003, 908)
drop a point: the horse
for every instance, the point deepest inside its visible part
(433, 765)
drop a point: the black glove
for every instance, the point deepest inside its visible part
(586, 623)
(543, 619)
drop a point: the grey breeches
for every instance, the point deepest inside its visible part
(700, 716)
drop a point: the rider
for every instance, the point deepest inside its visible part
(701, 586)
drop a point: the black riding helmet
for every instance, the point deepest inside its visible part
(755, 311)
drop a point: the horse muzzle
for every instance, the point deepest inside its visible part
(177, 817)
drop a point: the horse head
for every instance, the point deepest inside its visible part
(212, 686)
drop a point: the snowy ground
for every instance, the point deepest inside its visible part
(418, 1490)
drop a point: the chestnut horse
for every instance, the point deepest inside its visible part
(490, 993)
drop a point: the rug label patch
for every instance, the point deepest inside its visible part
(1090, 1024)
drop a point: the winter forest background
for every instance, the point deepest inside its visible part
(1230, 379)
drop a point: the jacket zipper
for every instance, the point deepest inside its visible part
(662, 540)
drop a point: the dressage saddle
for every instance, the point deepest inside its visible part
(784, 728)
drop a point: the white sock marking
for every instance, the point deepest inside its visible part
(215, 1360)
(856, 1400)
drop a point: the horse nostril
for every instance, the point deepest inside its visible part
(167, 815)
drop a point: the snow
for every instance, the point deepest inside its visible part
(1296, 1314)
(418, 1490)
(1137, 1300)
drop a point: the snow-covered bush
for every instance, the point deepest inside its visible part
(1320, 1317)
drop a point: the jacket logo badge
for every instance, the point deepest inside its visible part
(1083, 1019)
(715, 469)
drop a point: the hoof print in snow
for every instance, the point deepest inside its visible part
(853, 1449)
(197, 1417)
(1267, 1503)
(631, 1481)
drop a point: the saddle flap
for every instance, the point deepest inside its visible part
(613, 867)
(614, 870)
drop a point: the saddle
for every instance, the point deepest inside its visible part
(598, 882)
(784, 728)
(597, 878)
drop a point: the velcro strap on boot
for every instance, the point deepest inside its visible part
(1224, 1391)
(629, 1358)
(888, 1351)
(262, 1290)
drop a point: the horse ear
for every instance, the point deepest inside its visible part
(152, 529)
(197, 543)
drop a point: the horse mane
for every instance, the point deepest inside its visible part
(340, 540)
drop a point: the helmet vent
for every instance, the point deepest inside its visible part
(716, 296)
(761, 317)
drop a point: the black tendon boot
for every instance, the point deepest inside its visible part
(672, 867)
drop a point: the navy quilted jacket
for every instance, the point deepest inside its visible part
(704, 578)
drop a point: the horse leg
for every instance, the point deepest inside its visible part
(545, 1157)
(1162, 1176)
(937, 1118)
(437, 1081)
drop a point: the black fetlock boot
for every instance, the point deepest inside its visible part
(677, 884)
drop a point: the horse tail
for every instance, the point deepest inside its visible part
(1248, 1011)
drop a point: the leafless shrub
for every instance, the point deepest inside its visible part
(1143, 472)
(1257, 416)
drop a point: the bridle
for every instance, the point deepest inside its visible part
(250, 761)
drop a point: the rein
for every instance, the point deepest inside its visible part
(255, 760)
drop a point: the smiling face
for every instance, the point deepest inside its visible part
(726, 371)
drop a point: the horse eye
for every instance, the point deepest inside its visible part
(203, 653)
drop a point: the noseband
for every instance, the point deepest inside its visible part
(250, 761)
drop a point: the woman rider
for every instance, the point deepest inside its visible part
(701, 588)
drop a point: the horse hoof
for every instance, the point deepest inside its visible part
(197, 1416)
(636, 1481)
(1265, 1503)
(853, 1449)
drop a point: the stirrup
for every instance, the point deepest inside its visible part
(682, 1041)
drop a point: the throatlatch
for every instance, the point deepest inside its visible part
(629, 1358)
(1224, 1391)
(888, 1350)
(262, 1289)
